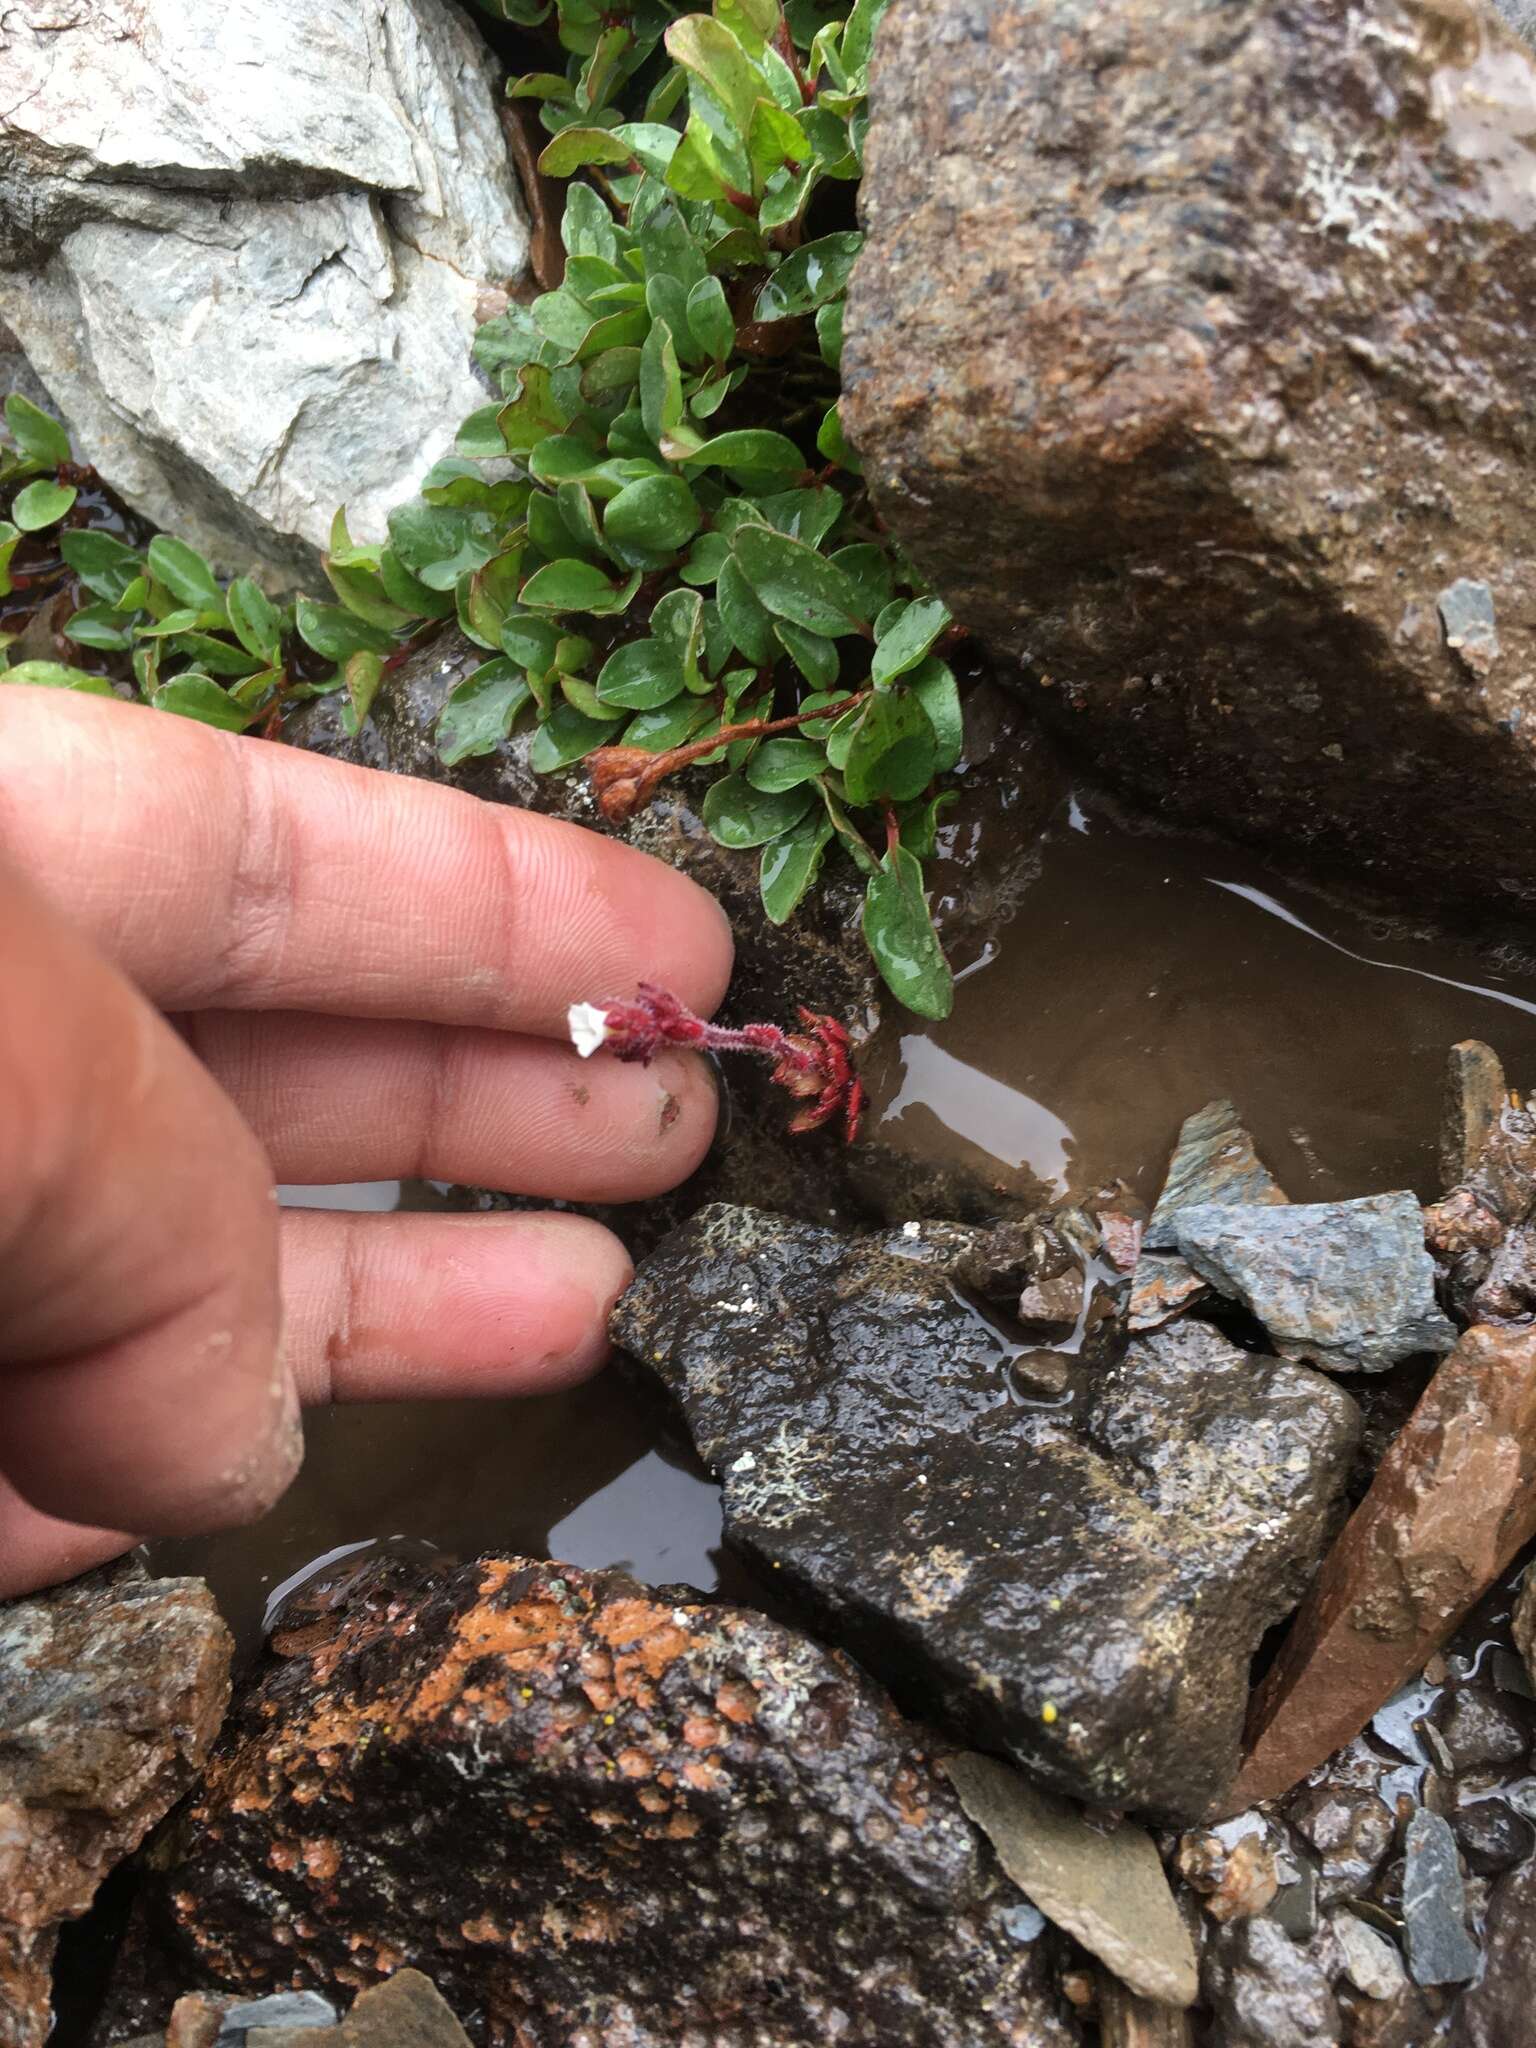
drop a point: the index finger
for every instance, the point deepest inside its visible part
(222, 872)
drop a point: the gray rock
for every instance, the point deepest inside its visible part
(243, 247)
(1521, 16)
(1350, 1826)
(1346, 1285)
(1481, 1730)
(1496, 2011)
(1214, 1161)
(1266, 1990)
(1103, 1882)
(293, 2011)
(1491, 1836)
(1371, 1963)
(1440, 1951)
(1081, 1590)
(1190, 352)
(1471, 631)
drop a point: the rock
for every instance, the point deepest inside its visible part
(1371, 1963)
(1103, 1882)
(1480, 1730)
(1523, 1624)
(1476, 1096)
(1267, 1991)
(111, 1690)
(1521, 16)
(242, 248)
(591, 1810)
(1083, 1593)
(1351, 1827)
(1345, 1285)
(1452, 1503)
(1214, 1162)
(1491, 1836)
(1163, 1286)
(406, 2011)
(1233, 1882)
(1048, 1309)
(1126, 2021)
(286, 2012)
(1496, 2011)
(1190, 354)
(1440, 1951)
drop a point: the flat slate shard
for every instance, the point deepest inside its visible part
(1440, 1950)
(1345, 1285)
(1190, 353)
(1080, 1590)
(593, 1811)
(1214, 1161)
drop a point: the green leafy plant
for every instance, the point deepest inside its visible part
(657, 534)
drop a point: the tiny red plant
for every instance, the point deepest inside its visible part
(814, 1064)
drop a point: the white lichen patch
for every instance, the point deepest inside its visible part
(1344, 201)
(773, 1487)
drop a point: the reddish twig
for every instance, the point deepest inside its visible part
(625, 779)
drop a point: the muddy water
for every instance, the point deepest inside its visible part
(1139, 978)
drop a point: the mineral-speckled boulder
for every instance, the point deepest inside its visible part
(111, 1691)
(1496, 2012)
(244, 248)
(1191, 353)
(1081, 1584)
(1346, 1285)
(596, 1813)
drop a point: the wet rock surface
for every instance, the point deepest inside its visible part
(1189, 353)
(111, 1691)
(1496, 2011)
(1080, 1583)
(1344, 1285)
(244, 249)
(1267, 1991)
(1214, 1161)
(594, 1812)
(1440, 1950)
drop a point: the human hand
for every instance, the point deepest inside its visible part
(365, 977)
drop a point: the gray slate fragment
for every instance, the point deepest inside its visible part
(1101, 1880)
(1440, 1951)
(1348, 1286)
(1116, 1563)
(287, 2009)
(1466, 613)
(1213, 1161)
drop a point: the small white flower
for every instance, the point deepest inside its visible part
(588, 1026)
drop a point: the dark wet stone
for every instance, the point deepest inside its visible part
(1049, 1309)
(1480, 1730)
(111, 1689)
(1213, 1161)
(1492, 1836)
(594, 1812)
(1345, 1285)
(1351, 1827)
(1082, 1588)
(1256, 347)
(1506, 1289)
(1496, 2011)
(1523, 1625)
(1440, 1951)
(1266, 1990)
(1475, 1097)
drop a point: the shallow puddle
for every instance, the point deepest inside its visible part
(1140, 978)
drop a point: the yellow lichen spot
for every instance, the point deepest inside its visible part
(1048, 1712)
(525, 1692)
(608, 1720)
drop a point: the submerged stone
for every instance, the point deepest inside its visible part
(1079, 1585)
(1345, 1285)
(1440, 1950)
(1214, 1161)
(595, 1811)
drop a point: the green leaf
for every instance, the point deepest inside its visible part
(785, 764)
(904, 637)
(218, 657)
(932, 683)
(532, 411)
(709, 319)
(894, 750)
(739, 815)
(573, 147)
(198, 696)
(529, 642)
(683, 719)
(920, 823)
(807, 515)
(105, 565)
(565, 736)
(41, 504)
(679, 620)
(775, 138)
(833, 443)
(437, 543)
(98, 625)
(652, 142)
(796, 583)
(338, 634)
(641, 675)
(36, 433)
(757, 455)
(184, 573)
(10, 540)
(829, 332)
(711, 54)
(409, 592)
(790, 865)
(572, 586)
(586, 227)
(661, 383)
(363, 674)
(479, 436)
(487, 595)
(748, 622)
(667, 244)
(578, 691)
(870, 567)
(479, 712)
(57, 675)
(706, 558)
(859, 33)
(899, 933)
(817, 659)
(256, 620)
(809, 276)
(752, 22)
(659, 513)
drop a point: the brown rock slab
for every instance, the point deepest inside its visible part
(1452, 1502)
(593, 1812)
(112, 1689)
(406, 2011)
(1100, 1879)
(1476, 1096)
(1190, 353)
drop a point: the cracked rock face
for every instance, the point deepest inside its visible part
(596, 1812)
(1190, 353)
(1078, 1583)
(242, 247)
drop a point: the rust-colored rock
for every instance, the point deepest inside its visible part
(1452, 1502)
(112, 1689)
(1191, 354)
(598, 1815)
